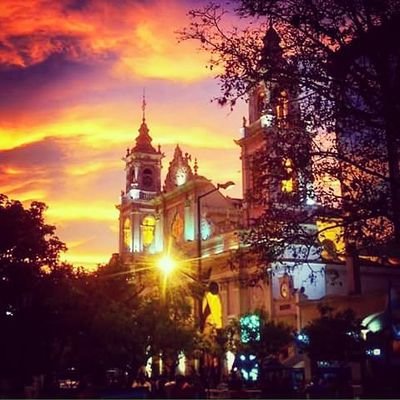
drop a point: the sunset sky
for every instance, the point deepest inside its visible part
(72, 73)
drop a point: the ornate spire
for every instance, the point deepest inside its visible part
(177, 152)
(179, 170)
(143, 141)
(272, 51)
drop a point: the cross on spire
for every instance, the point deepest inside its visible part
(144, 105)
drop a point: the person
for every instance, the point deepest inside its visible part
(182, 388)
(158, 388)
(317, 388)
(196, 383)
(211, 310)
(141, 387)
(235, 385)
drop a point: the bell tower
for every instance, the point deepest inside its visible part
(140, 227)
(273, 112)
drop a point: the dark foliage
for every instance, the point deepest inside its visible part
(334, 336)
(29, 252)
(54, 317)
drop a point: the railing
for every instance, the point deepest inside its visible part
(147, 195)
(142, 196)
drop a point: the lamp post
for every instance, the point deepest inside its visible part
(199, 238)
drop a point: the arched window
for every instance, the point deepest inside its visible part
(282, 107)
(127, 237)
(261, 102)
(177, 228)
(147, 178)
(148, 227)
(288, 183)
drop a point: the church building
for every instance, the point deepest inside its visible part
(194, 218)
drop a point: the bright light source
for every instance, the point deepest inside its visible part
(166, 264)
(376, 352)
(250, 328)
(303, 338)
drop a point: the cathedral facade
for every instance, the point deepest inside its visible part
(191, 217)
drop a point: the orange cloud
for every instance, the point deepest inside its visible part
(105, 124)
(66, 211)
(24, 184)
(31, 31)
(15, 136)
(93, 167)
(141, 44)
(12, 171)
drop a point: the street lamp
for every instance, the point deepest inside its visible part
(166, 264)
(199, 252)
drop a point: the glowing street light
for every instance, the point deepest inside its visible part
(166, 265)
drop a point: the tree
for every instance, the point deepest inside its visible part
(119, 319)
(333, 340)
(337, 146)
(29, 251)
(25, 239)
(168, 331)
(269, 340)
(334, 336)
(55, 317)
(165, 317)
(104, 322)
(258, 335)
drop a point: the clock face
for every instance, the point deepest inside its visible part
(181, 176)
(284, 290)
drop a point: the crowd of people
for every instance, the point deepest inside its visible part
(274, 384)
(182, 387)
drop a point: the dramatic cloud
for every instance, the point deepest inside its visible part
(139, 36)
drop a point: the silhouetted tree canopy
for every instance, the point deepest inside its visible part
(25, 238)
(29, 253)
(334, 336)
(54, 317)
(269, 339)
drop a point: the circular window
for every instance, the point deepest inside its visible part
(284, 289)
